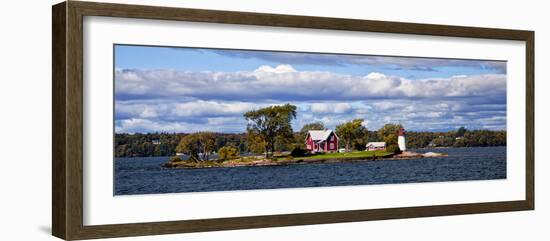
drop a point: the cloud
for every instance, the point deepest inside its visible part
(283, 68)
(183, 101)
(211, 108)
(284, 83)
(333, 108)
(186, 111)
(136, 125)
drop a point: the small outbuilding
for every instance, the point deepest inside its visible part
(321, 141)
(372, 146)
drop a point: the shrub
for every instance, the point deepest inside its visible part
(393, 149)
(298, 152)
(228, 152)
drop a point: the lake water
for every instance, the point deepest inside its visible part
(144, 175)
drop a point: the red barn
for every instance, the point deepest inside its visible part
(322, 141)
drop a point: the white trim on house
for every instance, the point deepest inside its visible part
(320, 135)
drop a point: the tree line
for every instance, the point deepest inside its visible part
(269, 130)
(165, 144)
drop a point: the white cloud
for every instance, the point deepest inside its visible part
(283, 68)
(136, 125)
(211, 108)
(284, 83)
(194, 108)
(388, 105)
(365, 123)
(183, 101)
(336, 108)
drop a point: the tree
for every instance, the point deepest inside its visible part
(311, 127)
(228, 152)
(388, 134)
(190, 145)
(461, 131)
(254, 142)
(393, 149)
(460, 143)
(207, 143)
(351, 131)
(443, 140)
(201, 143)
(271, 124)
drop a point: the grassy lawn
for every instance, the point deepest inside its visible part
(343, 155)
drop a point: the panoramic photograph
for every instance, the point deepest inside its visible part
(190, 119)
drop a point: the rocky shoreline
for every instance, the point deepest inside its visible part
(263, 162)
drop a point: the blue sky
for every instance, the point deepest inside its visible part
(166, 89)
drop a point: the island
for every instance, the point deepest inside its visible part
(288, 159)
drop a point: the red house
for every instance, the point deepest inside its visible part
(322, 141)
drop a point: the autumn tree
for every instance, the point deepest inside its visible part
(351, 131)
(207, 143)
(190, 146)
(197, 146)
(271, 124)
(228, 152)
(254, 142)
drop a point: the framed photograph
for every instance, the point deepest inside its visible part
(171, 120)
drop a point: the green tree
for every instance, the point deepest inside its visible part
(190, 145)
(460, 143)
(271, 124)
(311, 127)
(461, 131)
(201, 143)
(388, 134)
(351, 131)
(228, 152)
(393, 149)
(444, 140)
(207, 142)
(254, 142)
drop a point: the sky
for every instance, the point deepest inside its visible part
(186, 90)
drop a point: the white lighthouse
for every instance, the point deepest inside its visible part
(401, 139)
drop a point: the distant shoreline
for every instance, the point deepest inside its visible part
(420, 148)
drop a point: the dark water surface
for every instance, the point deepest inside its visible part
(144, 175)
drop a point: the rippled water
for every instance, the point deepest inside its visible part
(144, 175)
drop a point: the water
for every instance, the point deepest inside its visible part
(144, 175)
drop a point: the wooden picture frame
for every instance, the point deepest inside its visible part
(67, 152)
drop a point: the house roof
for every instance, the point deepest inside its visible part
(376, 144)
(320, 135)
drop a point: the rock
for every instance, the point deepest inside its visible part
(412, 155)
(433, 154)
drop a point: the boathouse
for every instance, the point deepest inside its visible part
(372, 146)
